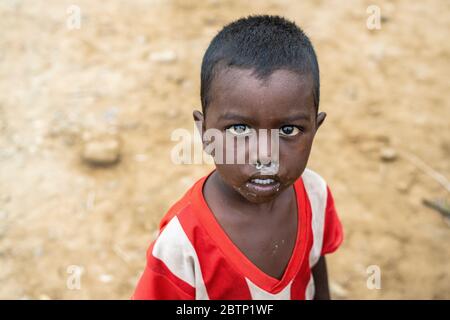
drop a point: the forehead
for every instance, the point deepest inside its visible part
(240, 92)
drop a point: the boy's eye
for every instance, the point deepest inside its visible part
(239, 129)
(289, 131)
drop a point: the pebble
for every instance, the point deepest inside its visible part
(403, 186)
(104, 151)
(388, 154)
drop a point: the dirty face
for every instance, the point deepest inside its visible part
(242, 104)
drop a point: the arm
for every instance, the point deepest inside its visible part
(168, 271)
(319, 272)
(161, 286)
(332, 239)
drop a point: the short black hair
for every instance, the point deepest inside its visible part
(264, 43)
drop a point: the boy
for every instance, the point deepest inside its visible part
(240, 233)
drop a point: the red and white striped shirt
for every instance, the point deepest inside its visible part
(193, 258)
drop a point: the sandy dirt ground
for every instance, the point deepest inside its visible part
(130, 75)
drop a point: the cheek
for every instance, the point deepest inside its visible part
(296, 149)
(231, 174)
(294, 157)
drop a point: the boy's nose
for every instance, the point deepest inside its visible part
(265, 157)
(259, 165)
(266, 152)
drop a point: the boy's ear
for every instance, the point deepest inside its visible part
(320, 119)
(199, 121)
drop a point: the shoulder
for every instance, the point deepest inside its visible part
(175, 251)
(179, 227)
(315, 186)
(316, 191)
(185, 203)
(313, 179)
(172, 244)
(325, 225)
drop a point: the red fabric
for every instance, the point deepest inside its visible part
(159, 283)
(224, 269)
(221, 279)
(333, 234)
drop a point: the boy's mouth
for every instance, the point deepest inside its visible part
(263, 186)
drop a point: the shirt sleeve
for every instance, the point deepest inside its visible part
(159, 283)
(333, 234)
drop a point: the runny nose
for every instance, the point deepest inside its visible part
(265, 153)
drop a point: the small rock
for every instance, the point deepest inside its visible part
(103, 151)
(388, 154)
(166, 56)
(403, 186)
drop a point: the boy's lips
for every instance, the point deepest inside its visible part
(263, 185)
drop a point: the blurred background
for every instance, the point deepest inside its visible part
(110, 89)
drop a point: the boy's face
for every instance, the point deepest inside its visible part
(241, 103)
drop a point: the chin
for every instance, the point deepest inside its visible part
(255, 198)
